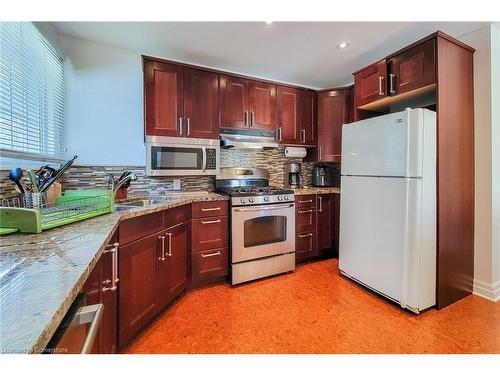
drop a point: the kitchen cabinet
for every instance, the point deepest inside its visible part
(247, 103)
(307, 116)
(209, 227)
(305, 228)
(370, 83)
(153, 270)
(325, 223)
(288, 115)
(99, 288)
(335, 207)
(305, 246)
(334, 110)
(179, 101)
(412, 69)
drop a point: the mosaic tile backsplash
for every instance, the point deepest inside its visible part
(85, 177)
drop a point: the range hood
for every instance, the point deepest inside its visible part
(247, 138)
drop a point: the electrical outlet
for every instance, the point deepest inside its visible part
(177, 184)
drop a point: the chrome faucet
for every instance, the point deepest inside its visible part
(123, 181)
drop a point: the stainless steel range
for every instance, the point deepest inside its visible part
(262, 224)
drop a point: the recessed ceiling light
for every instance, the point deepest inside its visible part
(269, 22)
(342, 45)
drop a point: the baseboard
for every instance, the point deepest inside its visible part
(486, 290)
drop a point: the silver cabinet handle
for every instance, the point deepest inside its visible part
(211, 221)
(210, 209)
(252, 118)
(189, 126)
(113, 249)
(305, 235)
(307, 201)
(391, 84)
(305, 211)
(303, 135)
(162, 239)
(380, 80)
(320, 209)
(210, 255)
(169, 244)
(246, 118)
(85, 315)
(180, 125)
(320, 152)
(279, 134)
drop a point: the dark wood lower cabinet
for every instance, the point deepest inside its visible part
(324, 220)
(208, 266)
(305, 246)
(179, 237)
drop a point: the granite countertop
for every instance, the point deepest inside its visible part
(41, 274)
(317, 190)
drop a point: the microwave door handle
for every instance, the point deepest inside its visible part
(203, 158)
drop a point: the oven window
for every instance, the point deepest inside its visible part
(264, 230)
(176, 158)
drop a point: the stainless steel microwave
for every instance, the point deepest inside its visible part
(175, 156)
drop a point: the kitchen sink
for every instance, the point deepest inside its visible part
(171, 197)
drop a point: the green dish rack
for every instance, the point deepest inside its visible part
(33, 215)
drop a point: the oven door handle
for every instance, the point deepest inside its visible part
(260, 208)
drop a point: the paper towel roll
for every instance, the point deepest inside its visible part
(295, 152)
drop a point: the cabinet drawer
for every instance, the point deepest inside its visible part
(305, 201)
(139, 227)
(305, 246)
(177, 215)
(208, 209)
(210, 233)
(305, 219)
(209, 264)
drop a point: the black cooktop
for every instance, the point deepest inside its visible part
(253, 190)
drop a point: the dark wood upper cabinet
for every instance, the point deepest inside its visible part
(412, 69)
(288, 115)
(262, 113)
(334, 110)
(307, 116)
(234, 102)
(163, 98)
(371, 83)
(201, 108)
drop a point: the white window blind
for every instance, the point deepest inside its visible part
(31, 93)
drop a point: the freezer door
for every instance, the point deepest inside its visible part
(389, 145)
(374, 232)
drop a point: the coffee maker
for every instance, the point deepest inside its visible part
(292, 175)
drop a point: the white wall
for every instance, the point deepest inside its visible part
(104, 103)
(487, 164)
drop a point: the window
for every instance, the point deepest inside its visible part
(31, 93)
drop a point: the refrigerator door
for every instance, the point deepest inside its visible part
(376, 232)
(389, 145)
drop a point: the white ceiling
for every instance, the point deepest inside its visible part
(302, 53)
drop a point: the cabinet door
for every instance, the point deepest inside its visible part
(334, 108)
(178, 262)
(262, 106)
(137, 302)
(335, 198)
(109, 297)
(234, 102)
(163, 98)
(370, 83)
(324, 220)
(413, 69)
(307, 117)
(201, 107)
(209, 233)
(288, 115)
(305, 246)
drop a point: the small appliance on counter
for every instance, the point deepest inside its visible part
(326, 175)
(292, 175)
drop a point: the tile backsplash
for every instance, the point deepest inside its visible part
(84, 177)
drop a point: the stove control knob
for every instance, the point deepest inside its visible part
(250, 200)
(280, 197)
(242, 200)
(266, 199)
(286, 197)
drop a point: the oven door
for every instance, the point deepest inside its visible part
(262, 231)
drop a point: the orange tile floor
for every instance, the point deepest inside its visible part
(315, 310)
